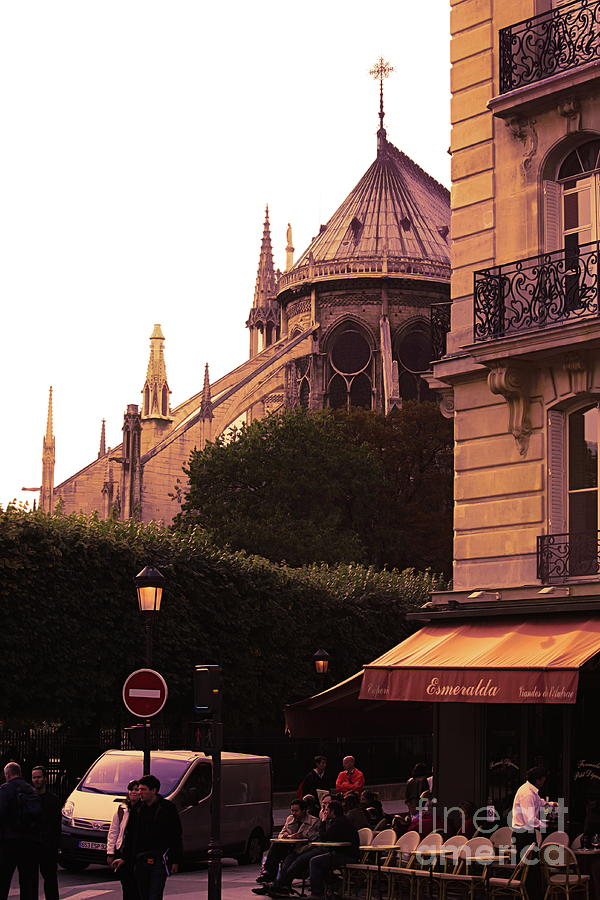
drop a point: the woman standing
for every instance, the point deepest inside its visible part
(115, 842)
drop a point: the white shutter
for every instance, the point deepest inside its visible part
(553, 238)
(556, 472)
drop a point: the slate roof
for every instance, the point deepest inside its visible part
(395, 206)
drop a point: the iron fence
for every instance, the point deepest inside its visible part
(561, 556)
(440, 326)
(536, 292)
(554, 41)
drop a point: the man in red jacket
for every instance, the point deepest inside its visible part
(350, 778)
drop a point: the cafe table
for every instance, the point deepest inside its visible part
(589, 864)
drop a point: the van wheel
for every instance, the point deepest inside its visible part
(252, 855)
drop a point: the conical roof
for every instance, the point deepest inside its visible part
(396, 218)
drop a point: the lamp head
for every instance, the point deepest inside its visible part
(149, 583)
(321, 659)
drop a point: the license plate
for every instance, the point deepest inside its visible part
(91, 845)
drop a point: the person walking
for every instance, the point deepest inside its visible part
(152, 842)
(49, 832)
(114, 842)
(314, 780)
(20, 814)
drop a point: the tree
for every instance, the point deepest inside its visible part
(321, 487)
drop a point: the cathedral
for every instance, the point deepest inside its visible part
(347, 324)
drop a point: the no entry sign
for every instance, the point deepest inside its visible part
(145, 693)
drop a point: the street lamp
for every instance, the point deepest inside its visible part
(149, 584)
(321, 660)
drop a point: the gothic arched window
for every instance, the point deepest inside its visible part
(413, 352)
(350, 363)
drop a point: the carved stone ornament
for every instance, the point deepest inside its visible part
(570, 109)
(511, 382)
(524, 130)
(576, 366)
(446, 402)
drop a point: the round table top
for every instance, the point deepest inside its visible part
(331, 844)
(585, 852)
(289, 840)
(379, 847)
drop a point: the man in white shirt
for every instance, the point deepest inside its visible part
(527, 808)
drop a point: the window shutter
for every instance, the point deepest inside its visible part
(556, 472)
(552, 218)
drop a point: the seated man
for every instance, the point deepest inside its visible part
(320, 860)
(350, 779)
(299, 824)
(353, 812)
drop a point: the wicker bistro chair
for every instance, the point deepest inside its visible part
(461, 881)
(576, 842)
(514, 885)
(401, 857)
(561, 872)
(355, 875)
(418, 869)
(502, 838)
(557, 837)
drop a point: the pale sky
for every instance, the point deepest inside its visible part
(141, 142)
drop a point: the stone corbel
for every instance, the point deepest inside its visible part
(576, 366)
(524, 130)
(570, 110)
(512, 383)
(446, 402)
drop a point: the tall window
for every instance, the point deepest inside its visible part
(412, 350)
(583, 470)
(350, 370)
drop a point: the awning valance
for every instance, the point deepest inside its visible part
(492, 661)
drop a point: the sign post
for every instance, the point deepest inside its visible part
(207, 701)
(145, 693)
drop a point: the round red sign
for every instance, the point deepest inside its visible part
(145, 693)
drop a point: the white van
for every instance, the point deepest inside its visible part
(186, 779)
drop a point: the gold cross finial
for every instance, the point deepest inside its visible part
(382, 69)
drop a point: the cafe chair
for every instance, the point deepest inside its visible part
(356, 874)
(514, 885)
(502, 838)
(448, 862)
(576, 842)
(461, 882)
(413, 858)
(561, 873)
(557, 837)
(365, 838)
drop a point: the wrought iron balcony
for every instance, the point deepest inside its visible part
(552, 42)
(537, 292)
(562, 556)
(440, 326)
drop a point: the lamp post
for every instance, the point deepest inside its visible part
(149, 584)
(321, 660)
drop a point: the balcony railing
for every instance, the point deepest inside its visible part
(552, 42)
(440, 326)
(537, 292)
(562, 556)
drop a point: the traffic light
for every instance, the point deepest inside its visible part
(207, 690)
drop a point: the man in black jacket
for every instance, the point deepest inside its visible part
(20, 812)
(315, 780)
(49, 832)
(152, 842)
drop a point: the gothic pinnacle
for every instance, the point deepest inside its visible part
(102, 450)
(206, 411)
(265, 277)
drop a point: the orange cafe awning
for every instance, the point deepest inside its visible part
(492, 661)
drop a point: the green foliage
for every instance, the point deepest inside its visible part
(320, 487)
(71, 631)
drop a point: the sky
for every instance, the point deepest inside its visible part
(141, 142)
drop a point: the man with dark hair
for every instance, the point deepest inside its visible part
(49, 832)
(299, 826)
(152, 842)
(20, 813)
(527, 807)
(334, 829)
(315, 779)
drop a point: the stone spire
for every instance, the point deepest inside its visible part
(102, 450)
(206, 410)
(265, 277)
(48, 457)
(156, 389)
(289, 250)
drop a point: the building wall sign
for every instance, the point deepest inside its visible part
(471, 685)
